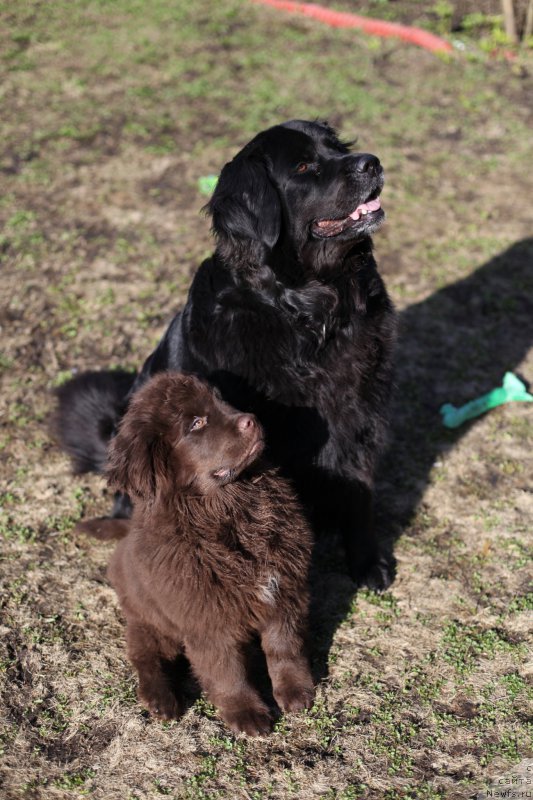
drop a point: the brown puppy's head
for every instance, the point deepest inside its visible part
(179, 436)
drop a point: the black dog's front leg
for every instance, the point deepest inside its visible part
(370, 562)
(347, 504)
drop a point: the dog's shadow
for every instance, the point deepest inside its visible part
(453, 346)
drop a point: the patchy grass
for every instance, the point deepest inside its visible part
(111, 111)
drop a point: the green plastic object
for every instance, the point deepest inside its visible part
(207, 183)
(512, 390)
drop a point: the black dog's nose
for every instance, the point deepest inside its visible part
(367, 163)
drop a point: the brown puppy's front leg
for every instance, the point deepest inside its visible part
(150, 653)
(292, 682)
(220, 668)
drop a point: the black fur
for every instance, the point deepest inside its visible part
(293, 323)
(89, 408)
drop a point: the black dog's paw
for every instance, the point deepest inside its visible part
(104, 528)
(377, 575)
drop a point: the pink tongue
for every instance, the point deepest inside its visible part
(372, 205)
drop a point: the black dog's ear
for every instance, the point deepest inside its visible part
(138, 460)
(246, 210)
(343, 145)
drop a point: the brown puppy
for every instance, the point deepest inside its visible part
(218, 551)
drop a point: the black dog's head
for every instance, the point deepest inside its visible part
(295, 183)
(178, 436)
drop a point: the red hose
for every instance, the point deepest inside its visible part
(376, 27)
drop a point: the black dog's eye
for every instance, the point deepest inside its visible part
(198, 423)
(305, 166)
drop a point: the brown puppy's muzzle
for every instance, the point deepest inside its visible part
(246, 423)
(251, 430)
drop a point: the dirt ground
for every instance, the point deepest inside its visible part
(110, 112)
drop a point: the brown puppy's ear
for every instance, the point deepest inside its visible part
(138, 461)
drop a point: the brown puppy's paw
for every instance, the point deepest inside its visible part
(253, 721)
(161, 702)
(295, 698)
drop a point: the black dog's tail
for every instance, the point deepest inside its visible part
(89, 409)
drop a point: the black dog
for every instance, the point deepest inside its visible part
(291, 321)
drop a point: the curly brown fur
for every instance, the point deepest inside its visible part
(218, 552)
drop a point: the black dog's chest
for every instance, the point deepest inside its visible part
(290, 362)
(296, 346)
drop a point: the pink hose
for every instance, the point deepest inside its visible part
(376, 27)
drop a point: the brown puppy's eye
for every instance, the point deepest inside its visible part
(303, 167)
(198, 423)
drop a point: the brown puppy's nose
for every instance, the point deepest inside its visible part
(246, 423)
(367, 163)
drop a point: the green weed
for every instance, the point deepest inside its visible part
(462, 645)
(196, 784)
(75, 781)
